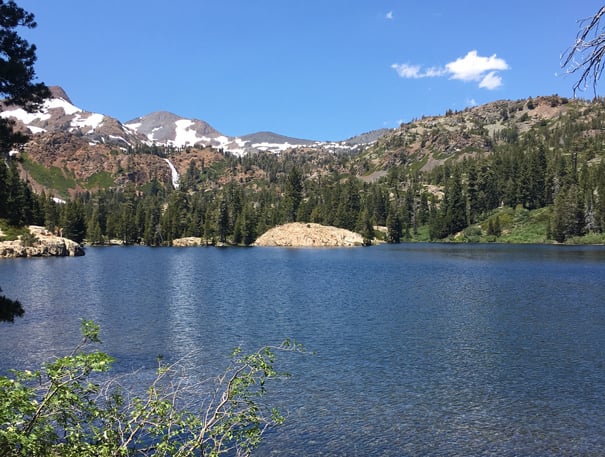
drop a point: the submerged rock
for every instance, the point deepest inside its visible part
(298, 234)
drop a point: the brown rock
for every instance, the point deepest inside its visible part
(45, 245)
(299, 234)
(187, 241)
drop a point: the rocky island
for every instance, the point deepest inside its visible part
(41, 244)
(297, 234)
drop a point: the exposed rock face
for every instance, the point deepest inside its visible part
(187, 241)
(45, 245)
(167, 128)
(65, 152)
(299, 234)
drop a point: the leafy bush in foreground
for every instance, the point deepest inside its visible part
(62, 410)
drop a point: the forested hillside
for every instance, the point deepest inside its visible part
(472, 175)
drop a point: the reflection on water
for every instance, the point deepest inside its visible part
(421, 349)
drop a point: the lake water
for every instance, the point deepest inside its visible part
(421, 350)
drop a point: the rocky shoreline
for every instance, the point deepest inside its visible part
(42, 244)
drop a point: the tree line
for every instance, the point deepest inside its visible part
(558, 167)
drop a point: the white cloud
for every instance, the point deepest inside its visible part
(433, 72)
(471, 102)
(471, 67)
(389, 15)
(413, 71)
(407, 71)
(491, 81)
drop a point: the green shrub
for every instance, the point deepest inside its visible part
(10, 232)
(29, 239)
(472, 234)
(63, 409)
(100, 180)
(52, 178)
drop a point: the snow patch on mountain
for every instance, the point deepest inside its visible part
(59, 114)
(59, 103)
(25, 117)
(186, 135)
(133, 126)
(93, 121)
(162, 128)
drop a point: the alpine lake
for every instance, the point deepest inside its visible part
(417, 349)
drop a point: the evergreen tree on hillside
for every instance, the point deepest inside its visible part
(568, 214)
(222, 225)
(17, 87)
(293, 194)
(455, 204)
(74, 221)
(394, 226)
(17, 75)
(367, 229)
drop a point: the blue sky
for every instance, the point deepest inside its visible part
(316, 69)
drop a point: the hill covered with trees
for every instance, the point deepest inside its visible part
(473, 175)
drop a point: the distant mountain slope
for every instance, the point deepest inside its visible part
(160, 128)
(71, 150)
(273, 142)
(433, 140)
(169, 129)
(59, 114)
(271, 137)
(368, 137)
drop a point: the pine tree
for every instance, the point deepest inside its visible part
(293, 194)
(367, 231)
(210, 226)
(454, 205)
(568, 214)
(74, 222)
(394, 226)
(222, 225)
(93, 229)
(471, 191)
(17, 75)
(349, 206)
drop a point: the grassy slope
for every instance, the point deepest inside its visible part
(518, 225)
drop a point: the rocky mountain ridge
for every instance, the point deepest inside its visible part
(59, 114)
(431, 141)
(160, 129)
(71, 150)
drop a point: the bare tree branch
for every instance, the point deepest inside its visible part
(586, 56)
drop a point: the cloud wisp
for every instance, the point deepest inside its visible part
(389, 16)
(470, 68)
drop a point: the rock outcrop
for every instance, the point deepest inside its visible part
(187, 242)
(42, 244)
(298, 234)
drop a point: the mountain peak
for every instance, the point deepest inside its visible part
(272, 137)
(163, 128)
(58, 92)
(168, 128)
(156, 117)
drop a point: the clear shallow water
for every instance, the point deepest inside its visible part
(421, 349)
